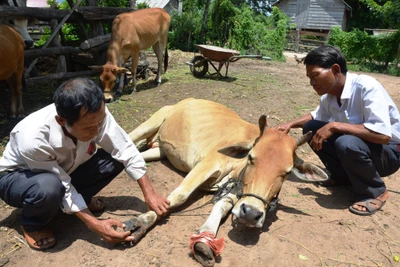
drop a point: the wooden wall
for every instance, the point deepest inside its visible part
(313, 19)
(314, 14)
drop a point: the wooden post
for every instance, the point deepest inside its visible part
(398, 56)
(297, 40)
(61, 62)
(28, 70)
(96, 30)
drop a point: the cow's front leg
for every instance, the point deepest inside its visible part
(139, 226)
(204, 246)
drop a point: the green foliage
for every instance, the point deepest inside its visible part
(185, 30)
(366, 49)
(389, 11)
(241, 28)
(362, 17)
(142, 6)
(44, 38)
(222, 21)
(257, 35)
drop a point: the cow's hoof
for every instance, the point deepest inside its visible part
(203, 254)
(136, 227)
(12, 117)
(133, 90)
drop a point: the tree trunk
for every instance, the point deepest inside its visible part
(204, 22)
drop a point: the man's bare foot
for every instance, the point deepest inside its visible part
(40, 240)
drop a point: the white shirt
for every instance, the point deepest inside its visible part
(364, 101)
(38, 143)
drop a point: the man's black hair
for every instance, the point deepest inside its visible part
(75, 94)
(325, 56)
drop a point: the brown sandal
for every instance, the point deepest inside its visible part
(33, 238)
(97, 204)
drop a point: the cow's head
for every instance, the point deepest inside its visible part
(109, 79)
(270, 159)
(21, 26)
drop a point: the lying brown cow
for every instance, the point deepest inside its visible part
(132, 32)
(213, 144)
(12, 66)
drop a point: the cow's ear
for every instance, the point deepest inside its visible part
(237, 151)
(122, 70)
(262, 123)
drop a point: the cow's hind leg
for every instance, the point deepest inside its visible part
(158, 50)
(135, 62)
(204, 246)
(18, 87)
(13, 95)
(153, 154)
(151, 126)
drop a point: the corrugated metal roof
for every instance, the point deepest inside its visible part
(154, 3)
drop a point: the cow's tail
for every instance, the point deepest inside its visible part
(166, 59)
(24, 85)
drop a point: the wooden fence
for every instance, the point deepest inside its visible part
(72, 59)
(300, 40)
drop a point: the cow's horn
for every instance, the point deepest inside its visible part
(302, 139)
(262, 123)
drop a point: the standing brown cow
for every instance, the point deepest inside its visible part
(132, 32)
(12, 66)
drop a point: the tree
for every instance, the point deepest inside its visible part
(389, 11)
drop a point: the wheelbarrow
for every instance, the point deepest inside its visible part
(223, 56)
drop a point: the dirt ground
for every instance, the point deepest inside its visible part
(310, 227)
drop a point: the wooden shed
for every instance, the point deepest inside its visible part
(168, 5)
(317, 16)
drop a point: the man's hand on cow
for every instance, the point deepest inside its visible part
(320, 136)
(158, 203)
(107, 230)
(283, 127)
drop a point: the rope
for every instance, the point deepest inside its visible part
(234, 186)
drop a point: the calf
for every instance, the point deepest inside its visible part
(132, 32)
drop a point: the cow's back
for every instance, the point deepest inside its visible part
(197, 128)
(141, 28)
(11, 51)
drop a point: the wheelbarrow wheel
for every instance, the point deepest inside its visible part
(199, 66)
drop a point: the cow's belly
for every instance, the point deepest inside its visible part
(177, 156)
(197, 128)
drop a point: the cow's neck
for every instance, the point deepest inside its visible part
(113, 53)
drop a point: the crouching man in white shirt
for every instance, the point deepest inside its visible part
(52, 162)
